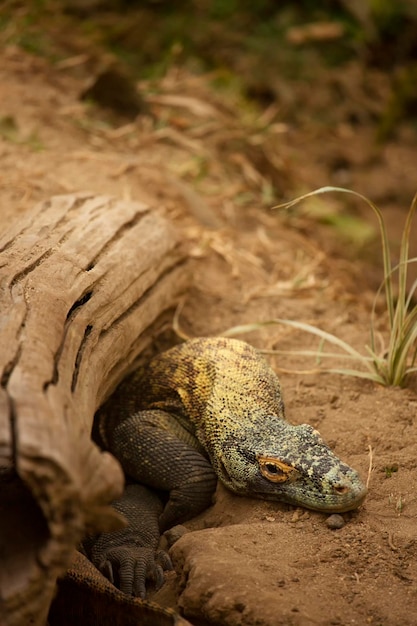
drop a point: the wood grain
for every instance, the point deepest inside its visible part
(84, 284)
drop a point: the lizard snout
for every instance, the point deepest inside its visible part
(348, 492)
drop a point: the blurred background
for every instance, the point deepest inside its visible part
(308, 93)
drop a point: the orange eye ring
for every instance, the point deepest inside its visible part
(276, 471)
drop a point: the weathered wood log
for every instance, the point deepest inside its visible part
(84, 282)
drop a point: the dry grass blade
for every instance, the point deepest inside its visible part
(382, 229)
(196, 106)
(325, 336)
(350, 353)
(370, 468)
(386, 366)
(176, 322)
(398, 362)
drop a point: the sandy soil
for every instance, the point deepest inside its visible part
(248, 562)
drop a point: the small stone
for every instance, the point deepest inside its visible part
(335, 521)
(173, 534)
(269, 518)
(299, 515)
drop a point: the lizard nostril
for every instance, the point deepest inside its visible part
(341, 489)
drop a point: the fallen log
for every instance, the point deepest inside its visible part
(85, 284)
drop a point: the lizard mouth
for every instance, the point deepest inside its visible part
(339, 499)
(345, 499)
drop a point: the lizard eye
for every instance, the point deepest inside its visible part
(276, 471)
(272, 468)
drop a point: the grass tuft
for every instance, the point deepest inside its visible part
(391, 363)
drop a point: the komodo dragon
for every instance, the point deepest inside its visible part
(206, 409)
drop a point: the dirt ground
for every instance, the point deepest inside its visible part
(248, 562)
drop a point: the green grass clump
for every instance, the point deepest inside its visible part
(390, 363)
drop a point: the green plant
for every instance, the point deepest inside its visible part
(394, 362)
(390, 470)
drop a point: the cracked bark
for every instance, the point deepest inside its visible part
(85, 282)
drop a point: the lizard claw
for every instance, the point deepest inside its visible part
(130, 568)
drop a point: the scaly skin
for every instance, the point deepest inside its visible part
(230, 399)
(212, 408)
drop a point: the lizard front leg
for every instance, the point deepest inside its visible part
(162, 456)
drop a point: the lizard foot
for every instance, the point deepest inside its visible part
(131, 568)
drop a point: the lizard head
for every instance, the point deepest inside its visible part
(294, 465)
